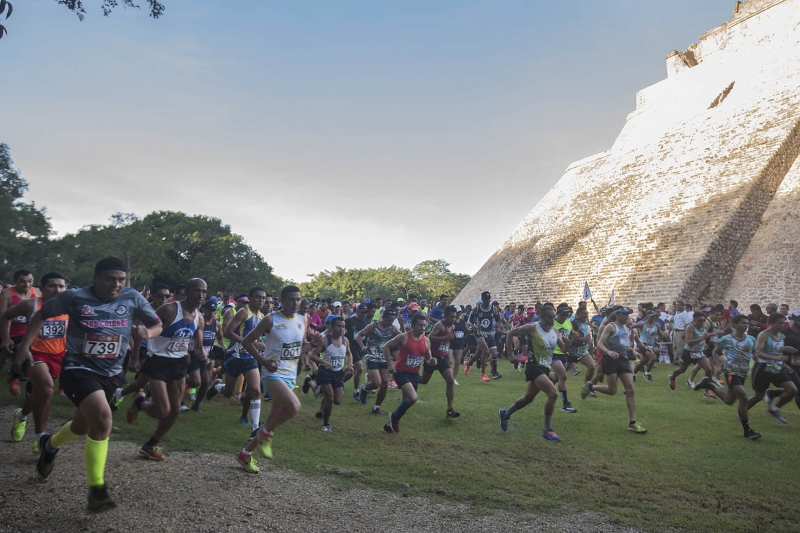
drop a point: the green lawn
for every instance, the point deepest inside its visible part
(692, 470)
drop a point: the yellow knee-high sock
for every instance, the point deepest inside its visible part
(95, 453)
(63, 436)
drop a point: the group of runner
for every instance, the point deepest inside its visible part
(254, 348)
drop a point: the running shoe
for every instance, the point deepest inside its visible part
(306, 384)
(244, 421)
(35, 445)
(393, 384)
(775, 413)
(496, 375)
(592, 395)
(327, 428)
(265, 443)
(362, 394)
(586, 390)
(690, 383)
(671, 382)
(636, 428)
(503, 419)
(18, 430)
(116, 400)
(550, 435)
(133, 411)
(704, 383)
(99, 500)
(452, 414)
(152, 452)
(768, 400)
(718, 383)
(752, 435)
(648, 376)
(237, 397)
(485, 378)
(212, 391)
(248, 462)
(357, 395)
(466, 369)
(377, 411)
(196, 409)
(388, 429)
(455, 382)
(318, 392)
(13, 387)
(394, 423)
(318, 414)
(567, 408)
(576, 371)
(44, 465)
(709, 394)
(519, 368)
(184, 408)
(192, 397)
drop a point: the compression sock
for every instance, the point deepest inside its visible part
(63, 436)
(745, 425)
(95, 453)
(255, 413)
(548, 420)
(563, 394)
(401, 409)
(494, 366)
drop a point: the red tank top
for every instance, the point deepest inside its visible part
(442, 348)
(19, 324)
(411, 356)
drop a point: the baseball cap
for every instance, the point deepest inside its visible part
(244, 299)
(531, 310)
(650, 313)
(486, 294)
(468, 307)
(413, 306)
(337, 304)
(210, 304)
(367, 300)
(330, 318)
(623, 310)
(400, 300)
(362, 308)
(564, 309)
(389, 312)
(794, 315)
(705, 310)
(458, 309)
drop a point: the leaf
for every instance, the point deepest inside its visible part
(3, 31)
(3, 6)
(10, 10)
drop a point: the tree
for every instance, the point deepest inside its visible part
(24, 228)
(434, 278)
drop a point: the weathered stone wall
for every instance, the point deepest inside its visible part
(669, 210)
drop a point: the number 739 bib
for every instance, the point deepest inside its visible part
(101, 346)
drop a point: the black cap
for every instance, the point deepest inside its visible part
(362, 308)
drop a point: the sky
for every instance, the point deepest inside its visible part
(328, 133)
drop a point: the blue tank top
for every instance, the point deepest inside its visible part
(209, 335)
(620, 341)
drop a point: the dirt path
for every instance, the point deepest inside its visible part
(202, 492)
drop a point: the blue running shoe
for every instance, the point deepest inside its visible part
(244, 421)
(503, 420)
(550, 435)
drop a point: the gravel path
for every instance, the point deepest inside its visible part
(200, 492)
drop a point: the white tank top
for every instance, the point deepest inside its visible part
(175, 340)
(335, 356)
(284, 342)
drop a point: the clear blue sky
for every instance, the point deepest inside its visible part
(350, 133)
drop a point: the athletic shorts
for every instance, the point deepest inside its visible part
(442, 364)
(577, 354)
(78, 384)
(143, 354)
(166, 369)
(733, 380)
(235, 366)
(330, 377)
(53, 362)
(458, 344)
(290, 382)
(217, 353)
(616, 366)
(471, 340)
(401, 378)
(377, 365)
(490, 341)
(560, 357)
(534, 370)
(761, 379)
(499, 338)
(356, 351)
(11, 373)
(195, 363)
(691, 358)
(641, 351)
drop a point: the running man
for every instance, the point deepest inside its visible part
(615, 345)
(167, 365)
(771, 353)
(413, 347)
(542, 341)
(737, 348)
(647, 338)
(240, 361)
(285, 336)
(39, 356)
(564, 329)
(335, 361)
(200, 368)
(12, 332)
(486, 316)
(353, 325)
(694, 337)
(581, 343)
(440, 337)
(101, 321)
(377, 333)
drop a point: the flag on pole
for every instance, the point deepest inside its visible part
(587, 294)
(611, 301)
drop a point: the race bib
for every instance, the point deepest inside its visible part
(291, 350)
(487, 334)
(101, 346)
(696, 355)
(179, 345)
(773, 368)
(737, 366)
(459, 334)
(414, 361)
(444, 349)
(53, 329)
(337, 363)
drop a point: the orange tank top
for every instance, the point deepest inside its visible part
(52, 336)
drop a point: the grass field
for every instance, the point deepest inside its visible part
(693, 470)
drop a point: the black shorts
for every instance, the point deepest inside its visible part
(166, 369)
(733, 380)
(401, 378)
(471, 340)
(615, 366)
(356, 351)
(195, 363)
(143, 354)
(78, 384)
(761, 379)
(217, 353)
(534, 370)
(691, 358)
(377, 365)
(490, 342)
(330, 377)
(562, 357)
(458, 344)
(235, 366)
(442, 364)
